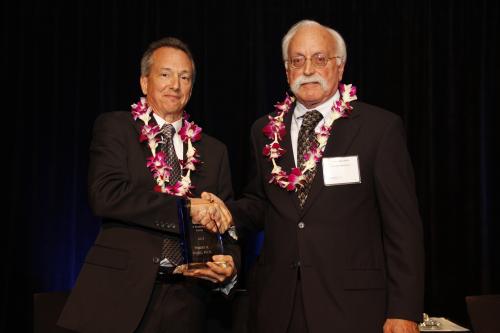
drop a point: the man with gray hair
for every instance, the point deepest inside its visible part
(333, 190)
(143, 165)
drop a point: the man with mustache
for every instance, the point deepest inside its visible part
(333, 190)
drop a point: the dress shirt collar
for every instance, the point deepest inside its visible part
(160, 121)
(325, 109)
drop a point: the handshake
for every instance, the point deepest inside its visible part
(211, 212)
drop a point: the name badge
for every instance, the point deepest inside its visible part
(341, 170)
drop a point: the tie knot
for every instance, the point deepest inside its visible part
(311, 119)
(168, 130)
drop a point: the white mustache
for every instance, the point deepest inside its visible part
(308, 79)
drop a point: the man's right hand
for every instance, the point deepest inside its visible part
(225, 220)
(211, 212)
(205, 213)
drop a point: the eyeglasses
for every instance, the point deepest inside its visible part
(318, 60)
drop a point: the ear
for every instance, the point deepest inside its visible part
(144, 84)
(341, 70)
(286, 72)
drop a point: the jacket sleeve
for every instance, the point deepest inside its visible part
(402, 226)
(225, 193)
(112, 192)
(249, 211)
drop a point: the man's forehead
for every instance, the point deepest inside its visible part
(309, 38)
(171, 55)
(175, 61)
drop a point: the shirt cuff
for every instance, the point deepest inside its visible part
(227, 288)
(232, 232)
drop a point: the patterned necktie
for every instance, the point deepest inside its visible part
(307, 137)
(171, 249)
(168, 132)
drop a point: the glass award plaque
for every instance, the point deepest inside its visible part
(198, 244)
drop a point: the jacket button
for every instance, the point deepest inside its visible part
(156, 260)
(295, 264)
(301, 225)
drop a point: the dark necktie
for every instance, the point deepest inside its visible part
(168, 132)
(307, 137)
(171, 248)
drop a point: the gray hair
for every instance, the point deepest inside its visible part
(285, 42)
(172, 42)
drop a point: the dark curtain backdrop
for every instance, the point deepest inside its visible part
(435, 63)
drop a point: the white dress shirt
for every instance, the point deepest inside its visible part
(298, 113)
(178, 145)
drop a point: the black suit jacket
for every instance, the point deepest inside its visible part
(360, 248)
(116, 280)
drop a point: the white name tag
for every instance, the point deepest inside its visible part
(341, 170)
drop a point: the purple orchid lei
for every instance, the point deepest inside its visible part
(275, 130)
(156, 163)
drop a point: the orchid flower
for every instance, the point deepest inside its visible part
(190, 132)
(285, 105)
(141, 111)
(273, 150)
(294, 178)
(275, 130)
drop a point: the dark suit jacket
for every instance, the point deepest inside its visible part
(115, 283)
(360, 250)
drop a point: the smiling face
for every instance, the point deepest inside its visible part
(313, 85)
(169, 83)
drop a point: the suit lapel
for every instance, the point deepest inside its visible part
(197, 175)
(137, 124)
(288, 162)
(344, 130)
(185, 148)
(144, 147)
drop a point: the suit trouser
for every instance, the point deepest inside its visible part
(175, 307)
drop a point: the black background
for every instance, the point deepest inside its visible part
(435, 63)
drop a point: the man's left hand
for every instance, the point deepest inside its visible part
(219, 270)
(400, 326)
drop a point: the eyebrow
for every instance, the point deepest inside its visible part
(170, 69)
(301, 54)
